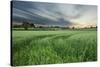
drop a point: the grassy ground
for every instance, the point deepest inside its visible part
(50, 47)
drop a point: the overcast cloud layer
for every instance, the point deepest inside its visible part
(54, 14)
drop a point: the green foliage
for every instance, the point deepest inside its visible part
(50, 47)
(33, 28)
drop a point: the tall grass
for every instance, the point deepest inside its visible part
(50, 47)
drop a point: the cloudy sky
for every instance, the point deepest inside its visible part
(54, 13)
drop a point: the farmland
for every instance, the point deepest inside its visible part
(50, 47)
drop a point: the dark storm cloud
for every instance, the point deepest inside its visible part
(47, 13)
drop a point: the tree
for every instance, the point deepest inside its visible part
(91, 27)
(96, 27)
(25, 25)
(40, 26)
(73, 27)
(32, 25)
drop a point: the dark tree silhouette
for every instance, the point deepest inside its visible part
(73, 27)
(91, 27)
(40, 26)
(96, 27)
(32, 25)
(56, 27)
(25, 25)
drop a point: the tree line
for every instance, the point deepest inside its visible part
(27, 25)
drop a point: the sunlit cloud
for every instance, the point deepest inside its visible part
(55, 14)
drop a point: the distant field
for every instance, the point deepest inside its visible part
(50, 47)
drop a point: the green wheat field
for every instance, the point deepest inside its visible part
(50, 47)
